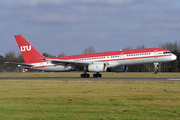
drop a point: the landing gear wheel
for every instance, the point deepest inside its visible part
(155, 72)
(94, 75)
(97, 75)
(84, 75)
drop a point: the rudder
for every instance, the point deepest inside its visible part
(29, 53)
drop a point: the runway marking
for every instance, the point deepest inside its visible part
(174, 79)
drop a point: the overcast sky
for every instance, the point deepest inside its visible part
(69, 26)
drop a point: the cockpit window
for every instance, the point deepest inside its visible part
(167, 52)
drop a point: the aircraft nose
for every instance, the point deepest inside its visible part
(173, 57)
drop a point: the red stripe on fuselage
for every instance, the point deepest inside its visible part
(138, 51)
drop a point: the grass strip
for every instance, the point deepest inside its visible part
(91, 100)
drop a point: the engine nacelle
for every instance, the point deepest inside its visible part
(97, 67)
(118, 69)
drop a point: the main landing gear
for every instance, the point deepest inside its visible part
(155, 68)
(97, 75)
(87, 75)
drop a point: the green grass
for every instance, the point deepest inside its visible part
(77, 74)
(91, 100)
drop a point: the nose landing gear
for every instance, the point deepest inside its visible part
(155, 68)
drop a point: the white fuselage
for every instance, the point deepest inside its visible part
(110, 60)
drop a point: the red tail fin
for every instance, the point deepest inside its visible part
(29, 53)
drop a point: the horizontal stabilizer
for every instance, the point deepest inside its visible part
(19, 64)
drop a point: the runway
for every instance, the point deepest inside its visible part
(91, 78)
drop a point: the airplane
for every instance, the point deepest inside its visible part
(116, 61)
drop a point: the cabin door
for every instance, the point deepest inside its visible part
(122, 56)
(155, 54)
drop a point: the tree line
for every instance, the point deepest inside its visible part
(173, 66)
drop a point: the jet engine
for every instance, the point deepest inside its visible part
(118, 69)
(98, 67)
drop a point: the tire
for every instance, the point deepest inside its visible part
(86, 75)
(82, 75)
(94, 75)
(99, 75)
(155, 72)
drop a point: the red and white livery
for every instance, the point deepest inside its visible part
(116, 61)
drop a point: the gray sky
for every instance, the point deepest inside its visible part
(69, 26)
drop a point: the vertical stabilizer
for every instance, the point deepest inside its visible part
(29, 53)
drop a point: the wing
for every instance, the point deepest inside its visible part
(69, 62)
